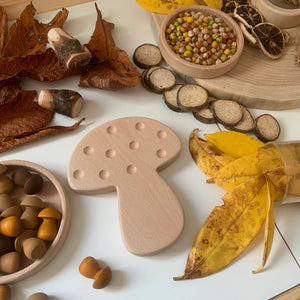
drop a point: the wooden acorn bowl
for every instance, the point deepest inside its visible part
(53, 195)
(195, 70)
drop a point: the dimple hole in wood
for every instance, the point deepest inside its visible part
(134, 145)
(161, 153)
(111, 129)
(104, 174)
(161, 134)
(139, 126)
(110, 153)
(78, 174)
(131, 169)
(88, 150)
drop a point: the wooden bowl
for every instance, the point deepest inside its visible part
(279, 13)
(195, 70)
(53, 195)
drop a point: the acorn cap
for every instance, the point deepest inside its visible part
(33, 201)
(50, 212)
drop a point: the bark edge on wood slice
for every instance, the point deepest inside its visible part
(147, 55)
(266, 128)
(161, 79)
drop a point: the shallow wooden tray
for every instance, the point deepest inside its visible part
(53, 195)
(256, 81)
(14, 8)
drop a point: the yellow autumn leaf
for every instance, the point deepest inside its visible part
(228, 230)
(234, 143)
(207, 157)
(164, 6)
(237, 172)
(214, 3)
(269, 225)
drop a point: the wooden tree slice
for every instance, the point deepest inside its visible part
(256, 81)
(124, 155)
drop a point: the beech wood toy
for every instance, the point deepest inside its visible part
(31, 205)
(125, 155)
(69, 51)
(11, 226)
(10, 262)
(90, 268)
(33, 247)
(38, 296)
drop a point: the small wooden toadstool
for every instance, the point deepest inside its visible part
(28, 243)
(69, 51)
(11, 226)
(66, 102)
(90, 268)
(48, 229)
(10, 262)
(4, 292)
(38, 296)
(6, 201)
(32, 205)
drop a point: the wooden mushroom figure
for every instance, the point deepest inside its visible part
(4, 292)
(38, 296)
(48, 229)
(125, 155)
(32, 205)
(11, 226)
(33, 247)
(10, 262)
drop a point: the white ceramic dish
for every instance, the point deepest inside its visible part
(278, 14)
(195, 70)
(53, 195)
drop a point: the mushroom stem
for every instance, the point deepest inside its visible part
(69, 51)
(66, 102)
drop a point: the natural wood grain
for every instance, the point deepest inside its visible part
(291, 294)
(124, 155)
(14, 8)
(256, 81)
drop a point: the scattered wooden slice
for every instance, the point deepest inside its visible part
(266, 128)
(170, 97)
(161, 79)
(227, 112)
(246, 124)
(147, 55)
(204, 115)
(192, 97)
(145, 78)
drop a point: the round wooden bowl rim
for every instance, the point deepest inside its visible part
(194, 67)
(288, 12)
(62, 231)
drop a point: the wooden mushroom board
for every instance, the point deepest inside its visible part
(257, 81)
(124, 155)
(14, 8)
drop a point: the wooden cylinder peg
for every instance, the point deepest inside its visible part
(10, 262)
(69, 51)
(4, 292)
(11, 226)
(33, 247)
(48, 229)
(90, 268)
(66, 102)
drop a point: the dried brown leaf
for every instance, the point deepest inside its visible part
(22, 115)
(3, 29)
(13, 142)
(9, 89)
(28, 36)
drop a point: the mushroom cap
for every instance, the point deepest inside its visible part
(102, 278)
(50, 212)
(33, 201)
(23, 236)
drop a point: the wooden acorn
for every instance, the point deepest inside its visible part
(31, 205)
(33, 247)
(90, 268)
(48, 229)
(10, 262)
(38, 296)
(4, 292)
(11, 226)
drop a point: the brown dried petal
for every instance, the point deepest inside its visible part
(28, 36)
(9, 143)
(22, 115)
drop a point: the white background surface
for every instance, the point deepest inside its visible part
(94, 219)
